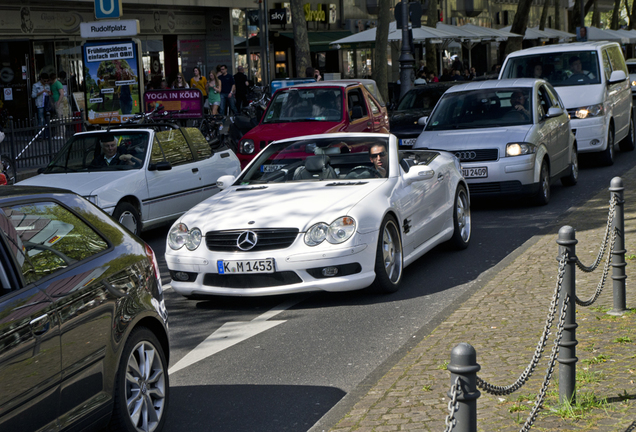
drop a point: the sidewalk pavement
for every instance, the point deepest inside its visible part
(503, 321)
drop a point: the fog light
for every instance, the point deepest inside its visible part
(182, 276)
(330, 271)
(594, 142)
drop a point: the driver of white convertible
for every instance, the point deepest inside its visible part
(380, 158)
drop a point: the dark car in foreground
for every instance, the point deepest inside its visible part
(416, 103)
(83, 324)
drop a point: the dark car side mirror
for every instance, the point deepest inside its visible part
(160, 166)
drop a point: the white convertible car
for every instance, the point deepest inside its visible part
(333, 212)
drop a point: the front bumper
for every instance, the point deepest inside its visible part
(590, 133)
(297, 269)
(507, 176)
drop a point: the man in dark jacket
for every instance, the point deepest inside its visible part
(240, 81)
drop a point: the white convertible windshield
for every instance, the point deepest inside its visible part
(323, 159)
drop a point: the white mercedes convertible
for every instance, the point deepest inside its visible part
(333, 212)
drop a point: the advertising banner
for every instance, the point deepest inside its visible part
(113, 80)
(189, 101)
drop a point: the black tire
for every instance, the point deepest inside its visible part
(543, 195)
(146, 391)
(462, 223)
(8, 169)
(607, 155)
(627, 144)
(389, 263)
(128, 216)
(572, 178)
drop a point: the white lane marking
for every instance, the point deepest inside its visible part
(230, 334)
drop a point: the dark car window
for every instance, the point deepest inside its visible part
(425, 98)
(45, 237)
(356, 98)
(173, 145)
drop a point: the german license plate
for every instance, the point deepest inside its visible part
(476, 172)
(409, 141)
(246, 266)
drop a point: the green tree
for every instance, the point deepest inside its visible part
(301, 40)
(519, 26)
(381, 41)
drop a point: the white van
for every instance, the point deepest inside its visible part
(593, 83)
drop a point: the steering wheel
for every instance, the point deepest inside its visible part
(332, 112)
(577, 77)
(360, 171)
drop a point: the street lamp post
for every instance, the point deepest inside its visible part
(407, 61)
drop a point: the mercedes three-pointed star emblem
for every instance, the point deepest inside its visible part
(247, 240)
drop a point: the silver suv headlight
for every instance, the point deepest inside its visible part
(337, 232)
(180, 236)
(247, 146)
(590, 111)
(520, 148)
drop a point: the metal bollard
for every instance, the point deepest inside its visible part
(618, 254)
(567, 347)
(463, 365)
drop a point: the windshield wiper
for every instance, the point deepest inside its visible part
(59, 166)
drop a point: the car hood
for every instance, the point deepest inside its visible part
(404, 123)
(291, 205)
(82, 183)
(580, 96)
(277, 131)
(469, 139)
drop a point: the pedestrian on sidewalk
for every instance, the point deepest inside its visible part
(59, 97)
(214, 92)
(41, 92)
(240, 81)
(228, 89)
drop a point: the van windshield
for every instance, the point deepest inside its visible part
(559, 69)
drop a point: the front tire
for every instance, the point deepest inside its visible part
(142, 386)
(462, 227)
(388, 259)
(127, 215)
(572, 178)
(543, 196)
(607, 156)
(627, 144)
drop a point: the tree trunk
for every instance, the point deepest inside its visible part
(431, 49)
(596, 15)
(629, 15)
(519, 26)
(544, 14)
(380, 74)
(576, 16)
(632, 24)
(557, 14)
(301, 40)
(615, 12)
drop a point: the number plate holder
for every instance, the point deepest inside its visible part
(267, 265)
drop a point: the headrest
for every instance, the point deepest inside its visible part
(327, 150)
(316, 163)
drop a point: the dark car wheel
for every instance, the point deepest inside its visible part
(142, 387)
(127, 215)
(462, 227)
(607, 156)
(572, 178)
(628, 142)
(388, 259)
(543, 196)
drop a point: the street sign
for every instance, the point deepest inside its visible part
(100, 29)
(108, 9)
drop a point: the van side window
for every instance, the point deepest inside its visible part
(616, 59)
(606, 65)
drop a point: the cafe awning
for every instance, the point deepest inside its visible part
(321, 41)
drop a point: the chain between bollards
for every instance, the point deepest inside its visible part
(618, 252)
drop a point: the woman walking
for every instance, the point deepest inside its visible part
(199, 82)
(214, 92)
(180, 82)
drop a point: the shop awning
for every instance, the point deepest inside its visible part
(533, 33)
(594, 33)
(395, 34)
(320, 41)
(553, 33)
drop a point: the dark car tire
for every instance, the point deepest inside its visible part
(572, 178)
(147, 391)
(543, 195)
(389, 264)
(128, 216)
(607, 155)
(462, 226)
(628, 143)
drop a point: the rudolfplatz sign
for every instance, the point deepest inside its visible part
(112, 78)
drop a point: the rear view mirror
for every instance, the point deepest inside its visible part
(554, 112)
(225, 181)
(422, 121)
(418, 173)
(617, 76)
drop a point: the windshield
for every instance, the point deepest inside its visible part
(300, 105)
(103, 151)
(559, 69)
(320, 159)
(425, 98)
(482, 108)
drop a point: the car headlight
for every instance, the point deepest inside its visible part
(589, 111)
(337, 232)
(93, 199)
(180, 236)
(633, 83)
(247, 146)
(520, 148)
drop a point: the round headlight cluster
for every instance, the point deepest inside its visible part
(337, 232)
(180, 236)
(247, 146)
(520, 148)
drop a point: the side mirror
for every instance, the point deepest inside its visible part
(617, 76)
(418, 173)
(225, 181)
(422, 121)
(554, 112)
(160, 166)
(356, 112)
(391, 106)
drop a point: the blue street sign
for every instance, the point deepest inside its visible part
(105, 9)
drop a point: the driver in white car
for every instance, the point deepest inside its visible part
(380, 159)
(576, 68)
